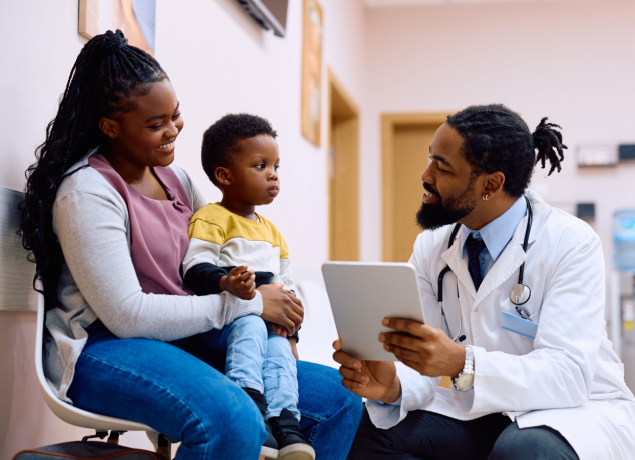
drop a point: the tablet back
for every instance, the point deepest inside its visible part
(362, 295)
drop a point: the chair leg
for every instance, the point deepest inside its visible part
(98, 434)
(165, 447)
(114, 437)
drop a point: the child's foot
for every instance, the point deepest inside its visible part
(292, 445)
(270, 448)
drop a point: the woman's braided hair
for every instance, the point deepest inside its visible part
(498, 139)
(103, 82)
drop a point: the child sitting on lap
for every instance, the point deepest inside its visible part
(236, 250)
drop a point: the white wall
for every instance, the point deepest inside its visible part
(219, 62)
(571, 61)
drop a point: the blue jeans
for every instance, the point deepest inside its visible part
(178, 391)
(258, 359)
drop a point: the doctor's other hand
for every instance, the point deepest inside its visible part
(369, 379)
(427, 349)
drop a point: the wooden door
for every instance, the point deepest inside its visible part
(406, 139)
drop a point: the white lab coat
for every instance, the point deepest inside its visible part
(568, 377)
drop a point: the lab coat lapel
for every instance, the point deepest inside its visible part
(513, 256)
(507, 264)
(452, 257)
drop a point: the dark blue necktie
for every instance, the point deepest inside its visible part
(474, 248)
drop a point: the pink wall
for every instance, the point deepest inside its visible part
(571, 61)
(219, 62)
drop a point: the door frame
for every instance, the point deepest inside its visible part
(342, 106)
(389, 122)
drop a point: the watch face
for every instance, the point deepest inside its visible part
(465, 382)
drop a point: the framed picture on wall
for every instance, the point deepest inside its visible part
(135, 18)
(312, 41)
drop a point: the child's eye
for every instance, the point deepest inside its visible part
(276, 167)
(260, 166)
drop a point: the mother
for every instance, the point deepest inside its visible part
(106, 218)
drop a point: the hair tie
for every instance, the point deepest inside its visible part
(112, 43)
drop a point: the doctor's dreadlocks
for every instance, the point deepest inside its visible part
(498, 139)
(107, 76)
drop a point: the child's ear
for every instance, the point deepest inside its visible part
(223, 176)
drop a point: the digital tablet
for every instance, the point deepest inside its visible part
(362, 295)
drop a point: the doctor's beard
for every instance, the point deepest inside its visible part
(433, 216)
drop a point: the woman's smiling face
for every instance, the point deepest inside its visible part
(146, 136)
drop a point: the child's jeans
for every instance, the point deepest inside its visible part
(258, 359)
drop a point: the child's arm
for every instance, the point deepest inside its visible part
(201, 272)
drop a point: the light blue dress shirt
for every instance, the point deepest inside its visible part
(496, 235)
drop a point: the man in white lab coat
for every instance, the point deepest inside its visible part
(538, 380)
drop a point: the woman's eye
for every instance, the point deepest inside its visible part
(155, 127)
(176, 115)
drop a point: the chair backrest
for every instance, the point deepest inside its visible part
(65, 411)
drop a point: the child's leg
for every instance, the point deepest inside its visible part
(245, 341)
(280, 377)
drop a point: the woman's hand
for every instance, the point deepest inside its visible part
(240, 281)
(281, 307)
(369, 379)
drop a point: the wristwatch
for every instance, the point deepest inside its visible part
(465, 380)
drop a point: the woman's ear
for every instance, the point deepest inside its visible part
(109, 127)
(223, 176)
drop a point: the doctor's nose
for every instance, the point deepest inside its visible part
(426, 176)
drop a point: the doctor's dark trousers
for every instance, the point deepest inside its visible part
(426, 435)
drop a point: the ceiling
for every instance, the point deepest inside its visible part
(388, 3)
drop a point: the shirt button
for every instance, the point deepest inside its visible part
(476, 309)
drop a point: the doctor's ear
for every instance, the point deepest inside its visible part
(493, 184)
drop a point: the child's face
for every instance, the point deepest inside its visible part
(254, 173)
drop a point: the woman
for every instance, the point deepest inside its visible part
(106, 217)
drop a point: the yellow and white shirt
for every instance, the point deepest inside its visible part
(221, 240)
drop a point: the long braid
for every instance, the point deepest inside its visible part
(498, 139)
(103, 82)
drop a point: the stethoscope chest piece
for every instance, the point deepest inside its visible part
(520, 294)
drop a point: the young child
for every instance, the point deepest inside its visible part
(236, 250)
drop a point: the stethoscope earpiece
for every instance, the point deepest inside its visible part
(520, 294)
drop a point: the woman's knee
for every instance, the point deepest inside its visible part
(231, 424)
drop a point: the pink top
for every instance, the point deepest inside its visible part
(158, 229)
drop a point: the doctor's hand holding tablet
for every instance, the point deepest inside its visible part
(502, 293)
(370, 342)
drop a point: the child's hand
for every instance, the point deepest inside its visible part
(241, 282)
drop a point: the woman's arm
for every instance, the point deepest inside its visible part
(92, 232)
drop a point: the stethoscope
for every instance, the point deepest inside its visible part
(519, 295)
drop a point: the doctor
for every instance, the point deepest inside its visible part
(540, 381)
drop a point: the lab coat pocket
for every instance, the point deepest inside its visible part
(518, 325)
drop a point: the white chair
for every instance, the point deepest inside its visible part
(75, 416)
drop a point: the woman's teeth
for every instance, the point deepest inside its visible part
(166, 146)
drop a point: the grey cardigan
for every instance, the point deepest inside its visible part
(98, 279)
